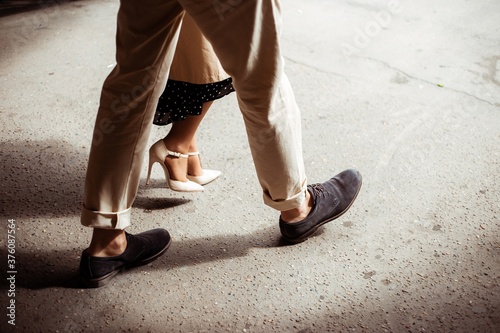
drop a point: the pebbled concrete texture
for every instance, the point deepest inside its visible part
(407, 92)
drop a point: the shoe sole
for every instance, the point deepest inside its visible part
(311, 231)
(103, 280)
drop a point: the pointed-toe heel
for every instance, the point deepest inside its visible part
(157, 153)
(208, 175)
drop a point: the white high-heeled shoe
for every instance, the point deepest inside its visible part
(157, 153)
(208, 175)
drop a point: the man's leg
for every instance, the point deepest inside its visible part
(245, 35)
(146, 36)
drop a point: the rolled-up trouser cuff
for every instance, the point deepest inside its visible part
(105, 220)
(291, 203)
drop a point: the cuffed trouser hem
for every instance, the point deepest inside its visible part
(105, 220)
(291, 203)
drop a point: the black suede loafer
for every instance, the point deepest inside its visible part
(141, 249)
(331, 199)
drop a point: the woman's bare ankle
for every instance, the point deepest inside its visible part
(194, 166)
(177, 167)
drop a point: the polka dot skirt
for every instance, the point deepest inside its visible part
(182, 99)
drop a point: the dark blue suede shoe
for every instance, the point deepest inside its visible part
(331, 199)
(141, 249)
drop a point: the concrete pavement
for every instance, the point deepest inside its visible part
(407, 92)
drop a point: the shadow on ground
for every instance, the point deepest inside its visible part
(46, 178)
(10, 7)
(41, 178)
(59, 268)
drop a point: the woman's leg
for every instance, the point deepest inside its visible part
(181, 138)
(194, 162)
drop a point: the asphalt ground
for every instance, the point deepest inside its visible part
(407, 92)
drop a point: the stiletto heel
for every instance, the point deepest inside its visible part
(157, 153)
(208, 175)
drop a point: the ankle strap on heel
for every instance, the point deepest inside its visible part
(176, 154)
(193, 153)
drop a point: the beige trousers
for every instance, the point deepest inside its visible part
(194, 59)
(245, 37)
